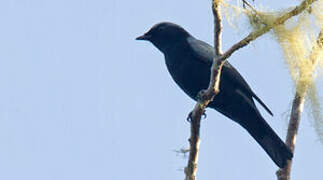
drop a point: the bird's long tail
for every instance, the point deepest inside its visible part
(269, 140)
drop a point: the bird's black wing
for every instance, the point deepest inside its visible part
(205, 53)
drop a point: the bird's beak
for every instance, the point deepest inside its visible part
(144, 37)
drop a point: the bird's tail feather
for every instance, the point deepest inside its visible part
(270, 142)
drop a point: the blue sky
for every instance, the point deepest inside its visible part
(81, 99)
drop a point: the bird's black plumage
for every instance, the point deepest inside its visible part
(189, 61)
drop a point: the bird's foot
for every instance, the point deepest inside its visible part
(189, 117)
(204, 115)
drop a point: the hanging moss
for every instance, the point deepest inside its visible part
(298, 40)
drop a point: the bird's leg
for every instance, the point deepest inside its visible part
(201, 95)
(204, 95)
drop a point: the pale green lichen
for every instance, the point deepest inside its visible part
(298, 40)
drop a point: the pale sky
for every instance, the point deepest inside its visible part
(81, 99)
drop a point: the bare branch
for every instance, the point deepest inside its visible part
(297, 109)
(191, 169)
(195, 116)
(217, 27)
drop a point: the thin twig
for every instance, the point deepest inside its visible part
(249, 5)
(297, 109)
(206, 96)
(217, 27)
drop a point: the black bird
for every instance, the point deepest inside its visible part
(189, 61)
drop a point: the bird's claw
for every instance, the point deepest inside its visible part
(204, 115)
(189, 117)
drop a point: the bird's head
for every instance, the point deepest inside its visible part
(165, 35)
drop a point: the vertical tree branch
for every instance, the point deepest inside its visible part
(217, 27)
(297, 109)
(195, 116)
(191, 168)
